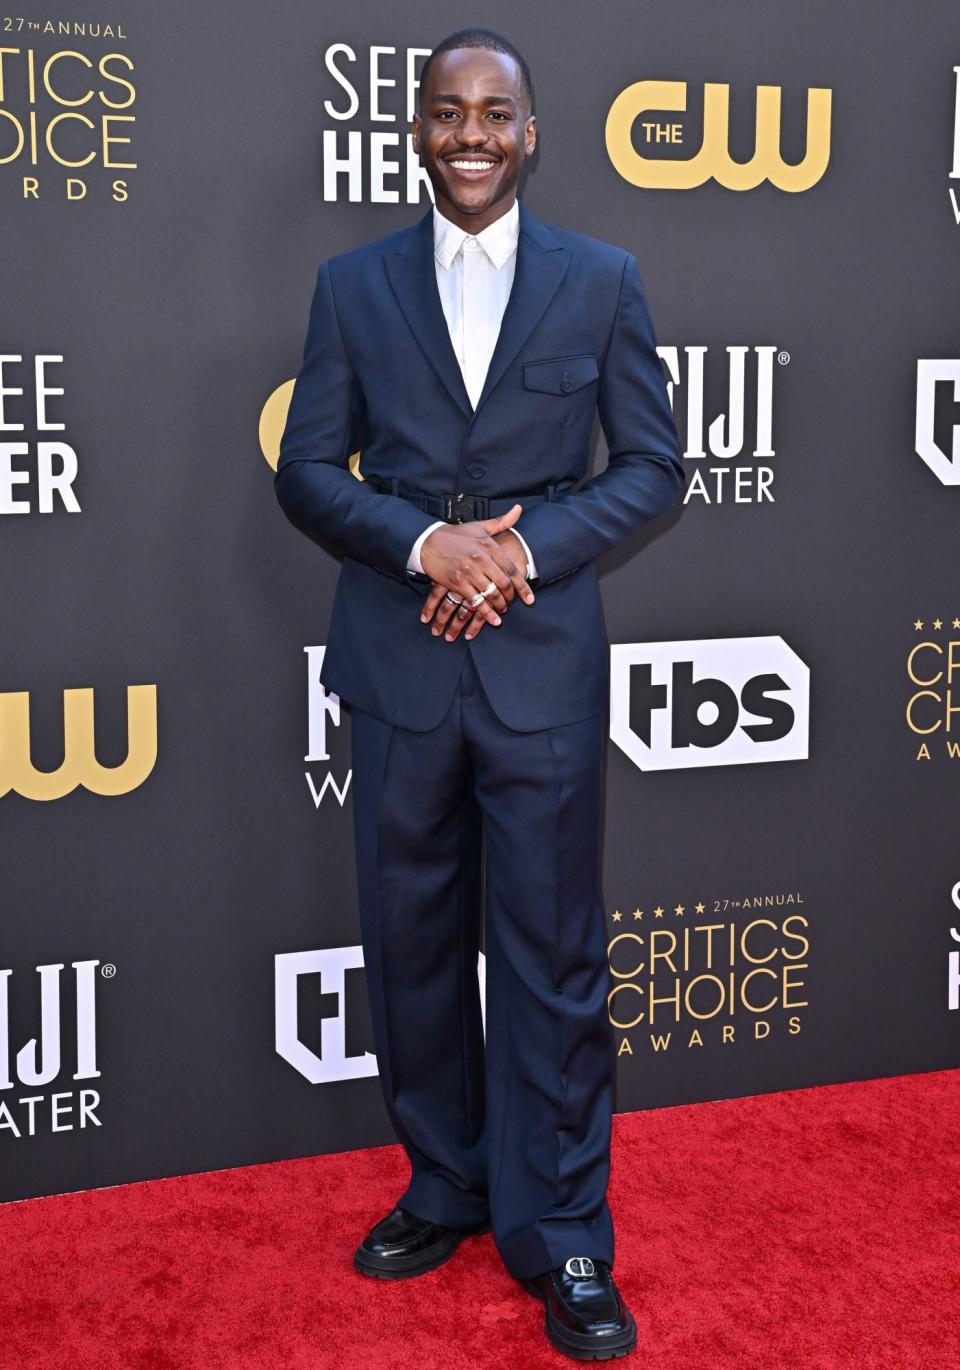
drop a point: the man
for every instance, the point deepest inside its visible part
(465, 358)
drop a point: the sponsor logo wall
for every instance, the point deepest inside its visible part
(41, 1062)
(181, 977)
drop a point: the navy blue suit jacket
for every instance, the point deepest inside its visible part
(379, 374)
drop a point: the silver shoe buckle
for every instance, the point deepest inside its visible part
(580, 1267)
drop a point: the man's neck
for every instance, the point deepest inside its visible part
(475, 223)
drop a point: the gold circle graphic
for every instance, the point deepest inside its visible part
(273, 420)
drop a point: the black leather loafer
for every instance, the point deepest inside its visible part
(586, 1317)
(402, 1245)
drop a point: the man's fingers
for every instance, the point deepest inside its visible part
(451, 619)
(503, 592)
(434, 598)
(462, 618)
(445, 610)
(481, 615)
(488, 563)
(517, 579)
(495, 567)
(471, 620)
(456, 614)
(480, 567)
(507, 520)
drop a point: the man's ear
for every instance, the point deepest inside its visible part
(415, 129)
(531, 130)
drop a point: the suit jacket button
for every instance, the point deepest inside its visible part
(476, 471)
(566, 385)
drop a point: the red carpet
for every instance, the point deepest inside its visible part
(805, 1230)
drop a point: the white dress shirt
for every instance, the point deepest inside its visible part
(474, 278)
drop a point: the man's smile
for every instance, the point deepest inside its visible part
(472, 168)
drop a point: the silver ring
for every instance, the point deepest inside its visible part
(454, 599)
(482, 594)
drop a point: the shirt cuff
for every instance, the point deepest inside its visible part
(413, 561)
(531, 564)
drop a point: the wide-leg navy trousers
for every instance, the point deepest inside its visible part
(516, 1129)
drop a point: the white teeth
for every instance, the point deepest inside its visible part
(466, 166)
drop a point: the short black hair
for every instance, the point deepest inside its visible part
(481, 38)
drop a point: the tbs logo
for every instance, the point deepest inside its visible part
(716, 702)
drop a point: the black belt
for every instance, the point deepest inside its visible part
(460, 507)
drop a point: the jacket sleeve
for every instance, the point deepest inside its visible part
(314, 484)
(645, 471)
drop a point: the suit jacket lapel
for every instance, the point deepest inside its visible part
(541, 264)
(413, 277)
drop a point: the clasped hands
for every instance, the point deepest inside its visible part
(464, 558)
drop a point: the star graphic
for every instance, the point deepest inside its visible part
(938, 623)
(658, 912)
(617, 915)
(956, 622)
(700, 908)
(638, 913)
(918, 624)
(679, 910)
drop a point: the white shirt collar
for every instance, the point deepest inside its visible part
(498, 240)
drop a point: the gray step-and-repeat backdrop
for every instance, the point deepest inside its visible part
(181, 983)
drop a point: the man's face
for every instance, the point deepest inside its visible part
(472, 134)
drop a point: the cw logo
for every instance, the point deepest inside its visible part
(80, 765)
(713, 159)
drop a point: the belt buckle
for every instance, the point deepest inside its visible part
(455, 505)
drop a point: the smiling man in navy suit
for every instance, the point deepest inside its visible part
(465, 358)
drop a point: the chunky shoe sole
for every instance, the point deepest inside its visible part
(581, 1345)
(406, 1267)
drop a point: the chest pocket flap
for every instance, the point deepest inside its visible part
(560, 375)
